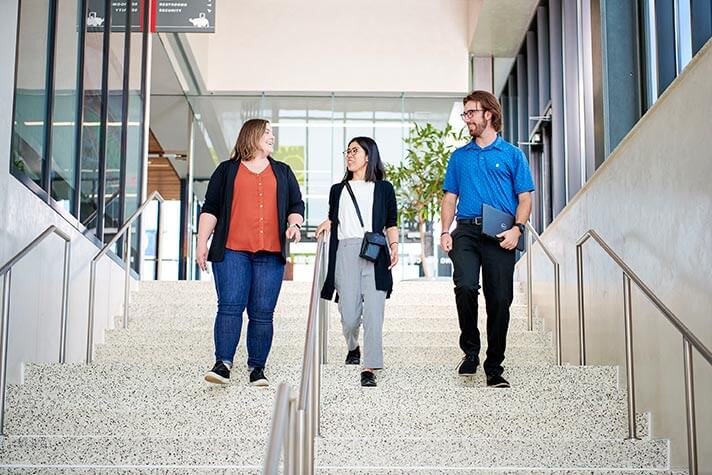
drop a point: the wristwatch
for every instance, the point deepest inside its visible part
(520, 226)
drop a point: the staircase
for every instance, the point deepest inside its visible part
(143, 406)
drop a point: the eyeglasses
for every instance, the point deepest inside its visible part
(469, 114)
(350, 151)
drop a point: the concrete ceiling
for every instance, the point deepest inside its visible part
(501, 27)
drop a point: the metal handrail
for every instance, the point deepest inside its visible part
(689, 340)
(557, 287)
(295, 427)
(127, 266)
(6, 273)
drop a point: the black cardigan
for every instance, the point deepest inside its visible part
(218, 202)
(385, 215)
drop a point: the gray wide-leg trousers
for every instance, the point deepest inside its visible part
(359, 301)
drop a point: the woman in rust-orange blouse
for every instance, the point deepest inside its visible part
(253, 206)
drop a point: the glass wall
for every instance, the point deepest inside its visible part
(584, 75)
(312, 132)
(31, 84)
(78, 112)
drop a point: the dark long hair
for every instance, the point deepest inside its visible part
(374, 168)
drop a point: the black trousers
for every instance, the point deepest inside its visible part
(470, 252)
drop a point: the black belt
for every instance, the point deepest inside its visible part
(477, 221)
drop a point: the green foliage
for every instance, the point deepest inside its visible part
(418, 180)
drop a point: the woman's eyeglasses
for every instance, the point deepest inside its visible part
(350, 151)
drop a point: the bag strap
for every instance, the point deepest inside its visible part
(353, 198)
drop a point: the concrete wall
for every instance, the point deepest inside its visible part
(652, 202)
(328, 45)
(37, 280)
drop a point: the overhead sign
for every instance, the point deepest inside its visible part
(168, 16)
(188, 16)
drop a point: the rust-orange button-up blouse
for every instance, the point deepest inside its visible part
(254, 224)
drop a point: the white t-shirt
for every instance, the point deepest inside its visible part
(349, 225)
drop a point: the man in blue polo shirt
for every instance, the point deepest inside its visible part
(491, 171)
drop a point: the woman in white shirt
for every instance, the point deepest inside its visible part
(362, 286)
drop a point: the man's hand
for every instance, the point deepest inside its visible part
(446, 242)
(293, 233)
(510, 238)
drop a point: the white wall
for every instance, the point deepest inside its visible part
(37, 280)
(337, 45)
(652, 202)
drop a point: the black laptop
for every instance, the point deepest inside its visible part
(495, 221)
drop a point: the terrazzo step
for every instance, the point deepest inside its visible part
(221, 470)
(475, 453)
(560, 424)
(127, 451)
(444, 299)
(422, 389)
(198, 337)
(339, 454)
(291, 323)
(233, 417)
(157, 310)
(429, 470)
(176, 378)
(161, 353)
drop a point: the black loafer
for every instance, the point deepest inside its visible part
(354, 356)
(368, 379)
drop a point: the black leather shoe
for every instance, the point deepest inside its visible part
(354, 356)
(497, 382)
(468, 365)
(368, 379)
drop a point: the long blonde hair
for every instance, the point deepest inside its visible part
(248, 140)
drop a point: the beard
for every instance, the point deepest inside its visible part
(476, 128)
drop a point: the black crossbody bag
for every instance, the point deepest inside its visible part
(372, 242)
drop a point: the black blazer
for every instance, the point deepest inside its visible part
(218, 202)
(385, 215)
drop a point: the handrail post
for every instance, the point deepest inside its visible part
(316, 383)
(690, 408)
(629, 360)
(530, 317)
(90, 323)
(159, 230)
(557, 311)
(4, 331)
(291, 448)
(65, 302)
(127, 277)
(274, 445)
(579, 286)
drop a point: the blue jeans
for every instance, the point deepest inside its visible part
(246, 280)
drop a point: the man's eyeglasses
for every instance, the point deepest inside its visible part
(350, 151)
(469, 114)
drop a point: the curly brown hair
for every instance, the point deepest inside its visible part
(490, 104)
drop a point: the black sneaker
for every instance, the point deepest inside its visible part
(257, 377)
(354, 356)
(220, 374)
(368, 379)
(468, 365)
(497, 382)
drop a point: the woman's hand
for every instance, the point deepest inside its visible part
(323, 227)
(394, 255)
(201, 256)
(293, 233)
